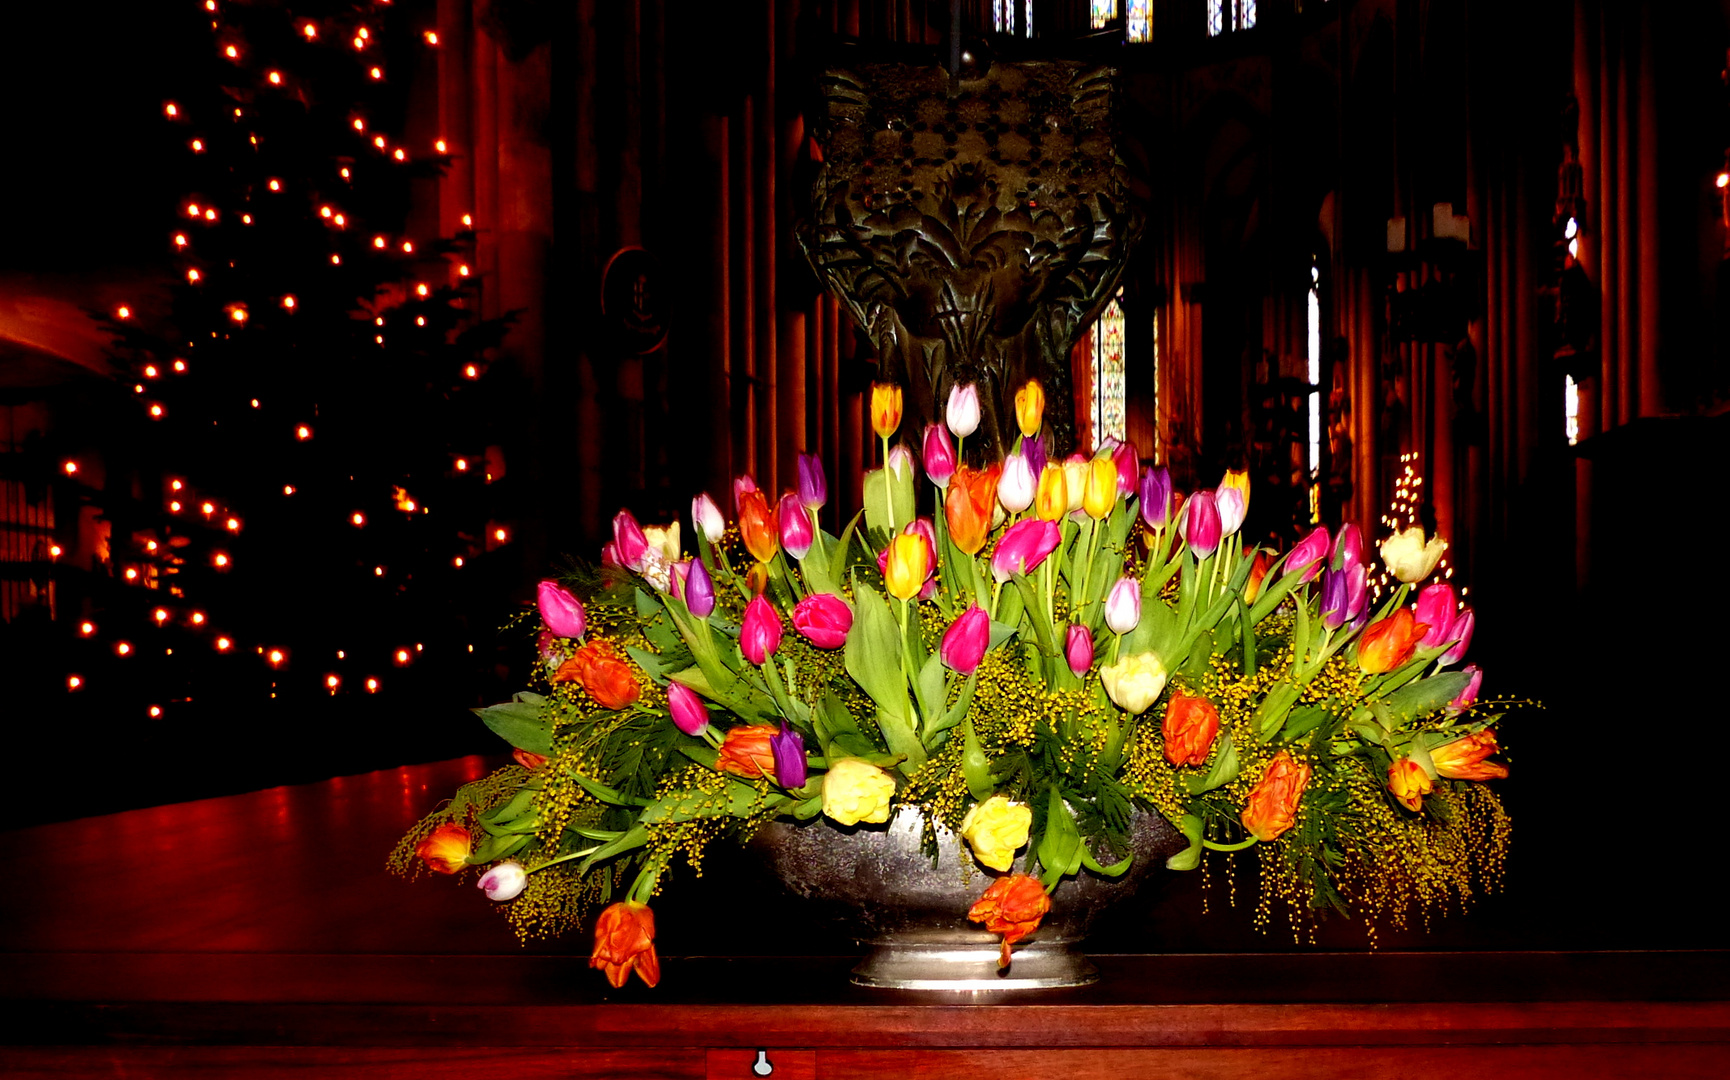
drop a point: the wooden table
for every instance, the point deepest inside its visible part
(257, 936)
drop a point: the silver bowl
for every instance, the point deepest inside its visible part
(912, 912)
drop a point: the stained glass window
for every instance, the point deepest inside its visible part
(1571, 409)
(1103, 12)
(1216, 17)
(1138, 22)
(1223, 15)
(1108, 392)
(1003, 15)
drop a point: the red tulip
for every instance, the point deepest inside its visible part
(1013, 906)
(746, 751)
(1273, 803)
(939, 455)
(1409, 783)
(609, 680)
(1389, 643)
(1201, 524)
(562, 612)
(1190, 725)
(1078, 649)
(445, 849)
(824, 619)
(1463, 759)
(1310, 554)
(1463, 627)
(625, 942)
(760, 633)
(689, 713)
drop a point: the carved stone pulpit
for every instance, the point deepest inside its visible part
(974, 227)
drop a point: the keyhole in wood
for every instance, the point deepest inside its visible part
(762, 1067)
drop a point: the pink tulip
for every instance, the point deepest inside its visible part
(1310, 553)
(795, 521)
(939, 455)
(677, 576)
(1024, 547)
(1078, 649)
(962, 413)
(1229, 502)
(562, 612)
(629, 543)
(1128, 464)
(1463, 627)
(742, 486)
(760, 634)
(610, 555)
(1469, 695)
(690, 715)
(1016, 487)
(824, 619)
(706, 516)
(1123, 605)
(1357, 592)
(965, 641)
(1350, 549)
(1199, 520)
(1439, 610)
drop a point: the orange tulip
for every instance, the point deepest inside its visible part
(1409, 783)
(1012, 906)
(1191, 723)
(625, 942)
(885, 409)
(445, 849)
(1257, 574)
(528, 759)
(1463, 759)
(597, 668)
(746, 751)
(969, 505)
(757, 526)
(1389, 643)
(1273, 802)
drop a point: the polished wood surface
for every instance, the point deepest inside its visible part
(259, 935)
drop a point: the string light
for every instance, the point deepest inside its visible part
(246, 219)
(500, 535)
(463, 270)
(402, 657)
(309, 30)
(193, 276)
(431, 37)
(336, 260)
(276, 657)
(421, 289)
(378, 141)
(123, 648)
(358, 518)
(275, 78)
(378, 242)
(131, 573)
(219, 560)
(179, 367)
(457, 562)
(275, 184)
(439, 145)
(303, 433)
(224, 644)
(378, 571)
(86, 628)
(339, 221)
(171, 109)
(288, 489)
(462, 464)
(198, 618)
(407, 247)
(155, 711)
(74, 682)
(160, 615)
(255, 403)
(288, 301)
(468, 221)
(332, 682)
(209, 214)
(54, 551)
(231, 52)
(359, 124)
(237, 312)
(192, 209)
(325, 211)
(376, 73)
(399, 155)
(471, 372)
(179, 242)
(174, 506)
(157, 412)
(232, 525)
(71, 467)
(198, 146)
(176, 485)
(372, 686)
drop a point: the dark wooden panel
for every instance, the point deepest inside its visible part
(373, 1063)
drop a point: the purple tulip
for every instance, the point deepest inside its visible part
(629, 543)
(690, 715)
(1128, 463)
(939, 455)
(824, 619)
(706, 516)
(1469, 695)
(742, 486)
(1463, 627)
(1156, 496)
(788, 746)
(965, 641)
(1123, 605)
(760, 634)
(1350, 549)
(1336, 605)
(1078, 649)
(1357, 592)
(813, 482)
(1037, 453)
(795, 521)
(1438, 609)
(562, 612)
(1308, 555)
(1024, 547)
(699, 590)
(1017, 486)
(1199, 520)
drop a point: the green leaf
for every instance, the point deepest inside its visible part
(607, 794)
(956, 712)
(928, 689)
(657, 624)
(521, 722)
(1222, 772)
(1303, 721)
(1424, 696)
(975, 766)
(873, 658)
(630, 841)
(738, 799)
(496, 847)
(1271, 713)
(1042, 632)
(900, 492)
(838, 557)
(1060, 847)
(1190, 857)
(649, 662)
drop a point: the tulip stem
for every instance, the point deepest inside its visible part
(888, 492)
(1239, 846)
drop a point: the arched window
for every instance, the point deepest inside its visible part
(1226, 15)
(1137, 16)
(1006, 14)
(1103, 11)
(1108, 387)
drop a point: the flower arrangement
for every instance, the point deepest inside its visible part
(1056, 645)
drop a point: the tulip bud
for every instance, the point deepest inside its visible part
(1051, 502)
(907, 562)
(610, 556)
(629, 543)
(1024, 547)
(678, 575)
(504, 881)
(1200, 521)
(1155, 494)
(1123, 605)
(1463, 628)
(823, 619)
(1463, 759)
(663, 540)
(795, 522)
(1016, 487)
(1468, 695)
(1038, 453)
(562, 612)
(1257, 574)
(968, 507)
(813, 482)
(788, 746)
(900, 460)
(1308, 554)
(885, 408)
(1078, 649)
(690, 715)
(1074, 482)
(1100, 494)
(1350, 549)
(1236, 480)
(445, 849)
(1135, 682)
(1334, 601)
(706, 516)
(1030, 408)
(1357, 593)
(962, 412)
(1387, 644)
(742, 486)
(1439, 610)
(1128, 463)
(1409, 783)
(965, 641)
(939, 454)
(699, 589)
(1409, 558)
(757, 525)
(1229, 503)
(760, 633)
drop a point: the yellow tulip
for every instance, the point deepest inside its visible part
(1052, 500)
(885, 408)
(907, 565)
(1409, 558)
(995, 829)
(855, 791)
(1101, 493)
(1239, 479)
(1135, 682)
(1030, 407)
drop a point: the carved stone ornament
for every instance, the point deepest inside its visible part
(973, 235)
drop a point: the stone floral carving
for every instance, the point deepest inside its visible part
(973, 235)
